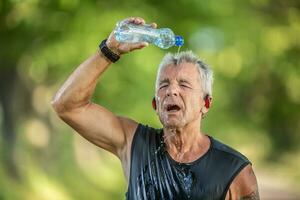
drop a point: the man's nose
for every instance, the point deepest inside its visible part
(172, 90)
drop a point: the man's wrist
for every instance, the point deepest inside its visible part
(103, 56)
(107, 52)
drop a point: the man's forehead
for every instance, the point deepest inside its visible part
(184, 70)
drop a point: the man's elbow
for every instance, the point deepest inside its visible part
(65, 108)
(59, 106)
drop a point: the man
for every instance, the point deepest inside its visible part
(176, 162)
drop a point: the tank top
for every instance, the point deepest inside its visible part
(154, 175)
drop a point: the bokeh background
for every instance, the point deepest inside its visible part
(253, 46)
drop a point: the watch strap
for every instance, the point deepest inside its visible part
(108, 53)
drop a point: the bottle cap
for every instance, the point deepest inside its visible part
(179, 40)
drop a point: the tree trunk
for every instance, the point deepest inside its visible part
(8, 77)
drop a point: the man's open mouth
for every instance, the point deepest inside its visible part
(172, 108)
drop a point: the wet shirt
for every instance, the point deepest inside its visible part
(154, 175)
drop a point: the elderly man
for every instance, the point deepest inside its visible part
(175, 162)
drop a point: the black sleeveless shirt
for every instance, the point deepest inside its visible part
(154, 175)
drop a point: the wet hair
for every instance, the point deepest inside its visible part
(205, 73)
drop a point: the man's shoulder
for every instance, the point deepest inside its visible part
(147, 129)
(145, 132)
(228, 150)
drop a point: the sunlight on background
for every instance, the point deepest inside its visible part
(229, 62)
(42, 187)
(96, 165)
(293, 85)
(37, 133)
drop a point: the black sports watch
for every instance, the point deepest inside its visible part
(108, 53)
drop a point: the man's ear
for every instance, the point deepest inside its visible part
(207, 103)
(154, 103)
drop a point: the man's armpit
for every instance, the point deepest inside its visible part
(252, 196)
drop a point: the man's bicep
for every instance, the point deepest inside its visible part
(248, 185)
(244, 186)
(98, 125)
(252, 196)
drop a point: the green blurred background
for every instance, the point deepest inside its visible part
(253, 47)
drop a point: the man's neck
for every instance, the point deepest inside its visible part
(185, 144)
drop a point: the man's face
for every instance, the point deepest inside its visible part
(179, 95)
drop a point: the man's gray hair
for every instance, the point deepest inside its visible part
(205, 73)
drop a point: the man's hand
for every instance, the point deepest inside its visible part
(124, 47)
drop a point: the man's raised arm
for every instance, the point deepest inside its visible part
(73, 103)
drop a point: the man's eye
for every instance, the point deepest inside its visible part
(163, 86)
(186, 86)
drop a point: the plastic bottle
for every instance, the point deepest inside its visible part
(131, 33)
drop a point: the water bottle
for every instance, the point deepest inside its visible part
(131, 33)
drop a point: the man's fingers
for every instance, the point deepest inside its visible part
(139, 20)
(135, 20)
(153, 25)
(128, 47)
(139, 45)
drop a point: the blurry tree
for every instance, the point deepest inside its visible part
(271, 92)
